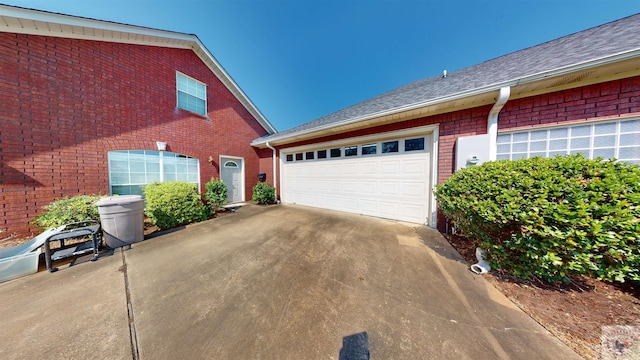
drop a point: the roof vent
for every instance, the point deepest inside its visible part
(444, 74)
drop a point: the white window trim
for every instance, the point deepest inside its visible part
(568, 138)
(161, 167)
(189, 94)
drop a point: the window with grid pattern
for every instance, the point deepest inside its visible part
(614, 139)
(192, 94)
(131, 170)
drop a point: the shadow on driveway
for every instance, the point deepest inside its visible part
(277, 282)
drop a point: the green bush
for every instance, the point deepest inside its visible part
(216, 194)
(263, 193)
(68, 210)
(174, 203)
(550, 218)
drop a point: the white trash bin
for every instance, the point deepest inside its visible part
(122, 219)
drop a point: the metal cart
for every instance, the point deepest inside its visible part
(89, 229)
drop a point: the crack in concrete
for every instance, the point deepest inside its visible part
(135, 354)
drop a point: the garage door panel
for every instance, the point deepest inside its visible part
(394, 186)
(368, 169)
(368, 187)
(388, 209)
(368, 207)
(413, 189)
(350, 186)
(389, 168)
(415, 167)
(389, 188)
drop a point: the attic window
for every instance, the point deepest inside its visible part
(192, 94)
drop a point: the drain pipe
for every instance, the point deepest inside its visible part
(482, 267)
(492, 121)
(275, 182)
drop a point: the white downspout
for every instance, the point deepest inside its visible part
(275, 182)
(492, 121)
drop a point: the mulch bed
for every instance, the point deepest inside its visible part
(575, 312)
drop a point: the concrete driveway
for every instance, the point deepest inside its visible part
(281, 282)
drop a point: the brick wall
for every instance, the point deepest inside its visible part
(66, 103)
(594, 102)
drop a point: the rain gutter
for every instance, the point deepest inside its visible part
(492, 120)
(275, 182)
(627, 55)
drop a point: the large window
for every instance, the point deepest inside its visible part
(613, 139)
(131, 170)
(192, 94)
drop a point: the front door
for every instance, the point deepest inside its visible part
(232, 175)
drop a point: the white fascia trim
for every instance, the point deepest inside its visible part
(481, 90)
(81, 23)
(364, 139)
(433, 207)
(233, 87)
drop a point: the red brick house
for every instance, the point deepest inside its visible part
(86, 106)
(382, 157)
(98, 107)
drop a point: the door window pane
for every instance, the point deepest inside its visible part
(414, 144)
(390, 147)
(370, 149)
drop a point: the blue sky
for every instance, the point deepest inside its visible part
(301, 59)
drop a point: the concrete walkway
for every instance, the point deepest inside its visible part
(281, 282)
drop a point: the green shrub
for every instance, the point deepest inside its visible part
(216, 194)
(68, 210)
(263, 193)
(174, 203)
(550, 218)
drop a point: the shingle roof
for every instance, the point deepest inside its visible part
(605, 40)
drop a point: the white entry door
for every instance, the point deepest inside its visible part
(232, 175)
(385, 178)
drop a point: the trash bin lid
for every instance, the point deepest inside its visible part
(119, 200)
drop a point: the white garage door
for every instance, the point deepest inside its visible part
(389, 178)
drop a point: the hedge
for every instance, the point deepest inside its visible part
(550, 218)
(263, 193)
(174, 203)
(68, 210)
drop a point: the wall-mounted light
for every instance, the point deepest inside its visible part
(210, 160)
(162, 146)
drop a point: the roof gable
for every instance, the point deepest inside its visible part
(35, 22)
